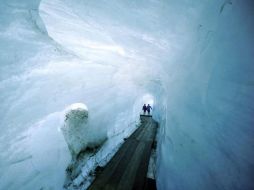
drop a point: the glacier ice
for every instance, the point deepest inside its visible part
(192, 59)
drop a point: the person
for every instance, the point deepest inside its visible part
(148, 108)
(144, 108)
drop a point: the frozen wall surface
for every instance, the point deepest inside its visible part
(192, 59)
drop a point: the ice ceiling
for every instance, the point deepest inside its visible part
(192, 59)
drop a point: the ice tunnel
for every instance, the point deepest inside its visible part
(192, 60)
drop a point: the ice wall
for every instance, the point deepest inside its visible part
(193, 57)
(40, 77)
(208, 142)
(31, 150)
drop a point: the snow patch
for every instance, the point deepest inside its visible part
(77, 131)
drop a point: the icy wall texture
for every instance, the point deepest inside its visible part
(208, 142)
(194, 57)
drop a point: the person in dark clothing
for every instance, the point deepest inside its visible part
(149, 108)
(144, 108)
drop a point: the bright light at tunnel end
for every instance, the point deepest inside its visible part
(148, 99)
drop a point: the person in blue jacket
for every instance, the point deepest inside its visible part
(149, 108)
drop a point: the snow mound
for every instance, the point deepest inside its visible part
(77, 131)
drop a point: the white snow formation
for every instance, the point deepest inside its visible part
(193, 59)
(77, 132)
